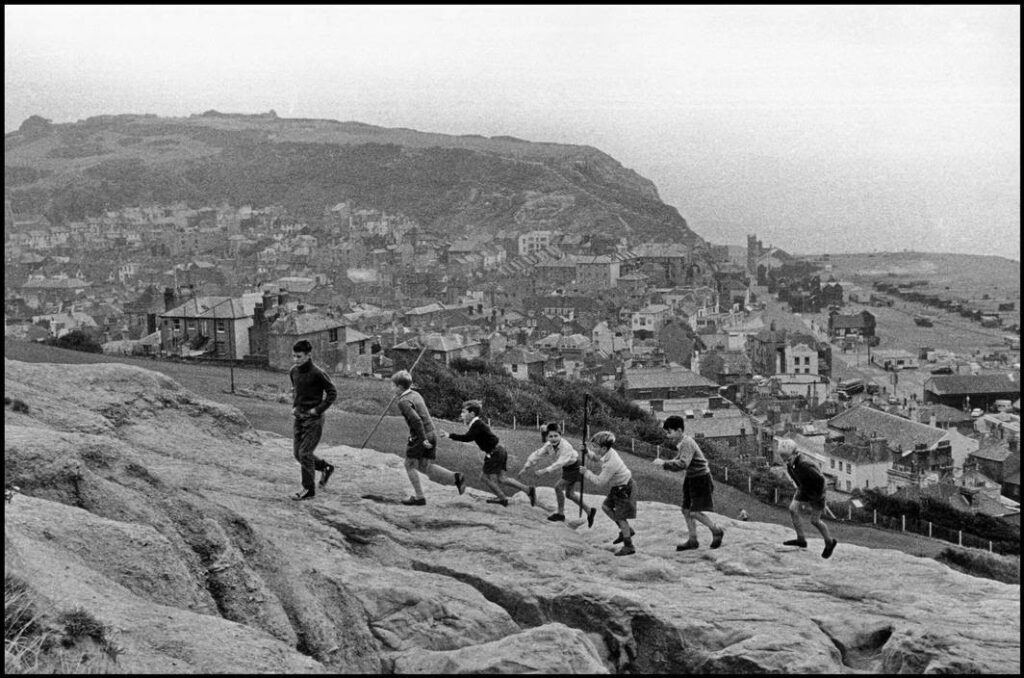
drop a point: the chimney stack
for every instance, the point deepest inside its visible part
(282, 300)
(168, 298)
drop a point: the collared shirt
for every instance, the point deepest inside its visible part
(613, 470)
(567, 456)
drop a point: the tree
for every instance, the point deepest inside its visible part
(77, 340)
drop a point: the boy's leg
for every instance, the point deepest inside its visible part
(411, 469)
(560, 496)
(716, 532)
(437, 473)
(794, 512)
(575, 497)
(512, 482)
(491, 481)
(306, 436)
(815, 519)
(795, 507)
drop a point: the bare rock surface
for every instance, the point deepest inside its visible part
(168, 517)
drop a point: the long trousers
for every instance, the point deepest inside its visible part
(305, 437)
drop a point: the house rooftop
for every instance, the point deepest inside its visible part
(901, 433)
(661, 377)
(967, 384)
(209, 307)
(305, 323)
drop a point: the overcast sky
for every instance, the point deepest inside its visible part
(818, 128)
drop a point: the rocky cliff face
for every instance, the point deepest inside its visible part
(167, 517)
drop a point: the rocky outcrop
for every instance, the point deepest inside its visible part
(167, 517)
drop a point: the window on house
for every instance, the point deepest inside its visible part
(807, 360)
(177, 324)
(515, 367)
(849, 485)
(191, 325)
(332, 335)
(832, 462)
(849, 467)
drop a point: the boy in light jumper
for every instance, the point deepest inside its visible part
(620, 504)
(568, 460)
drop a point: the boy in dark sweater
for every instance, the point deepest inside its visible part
(495, 455)
(809, 498)
(312, 393)
(698, 488)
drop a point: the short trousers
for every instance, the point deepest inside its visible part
(621, 501)
(415, 450)
(571, 474)
(815, 501)
(697, 493)
(496, 461)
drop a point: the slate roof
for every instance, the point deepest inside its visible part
(966, 384)
(660, 377)
(209, 307)
(305, 323)
(899, 432)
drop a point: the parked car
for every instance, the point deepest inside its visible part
(977, 412)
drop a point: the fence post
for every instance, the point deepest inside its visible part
(776, 495)
(849, 512)
(750, 485)
(726, 474)
(929, 528)
(959, 537)
(990, 546)
(874, 516)
(513, 422)
(903, 522)
(632, 445)
(538, 421)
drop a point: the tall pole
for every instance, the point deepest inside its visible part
(583, 449)
(392, 401)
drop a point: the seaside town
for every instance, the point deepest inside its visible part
(751, 345)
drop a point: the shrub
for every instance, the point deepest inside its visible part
(981, 564)
(80, 623)
(77, 340)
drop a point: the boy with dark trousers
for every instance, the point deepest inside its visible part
(312, 393)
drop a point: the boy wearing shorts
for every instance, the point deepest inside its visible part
(697, 484)
(809, 497)
(620, 504)
(495, 455)
(568, 460)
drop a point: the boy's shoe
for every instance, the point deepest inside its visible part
(532, 494)
(716, 540)
(498, 500)
(689, 545)
(618, 540)
(460, 483)
(556, 517)
(626, 550)
(415, 501)
(326, 475)
(304, 494)
(591, 514)
(829, 548)
(802, 543)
